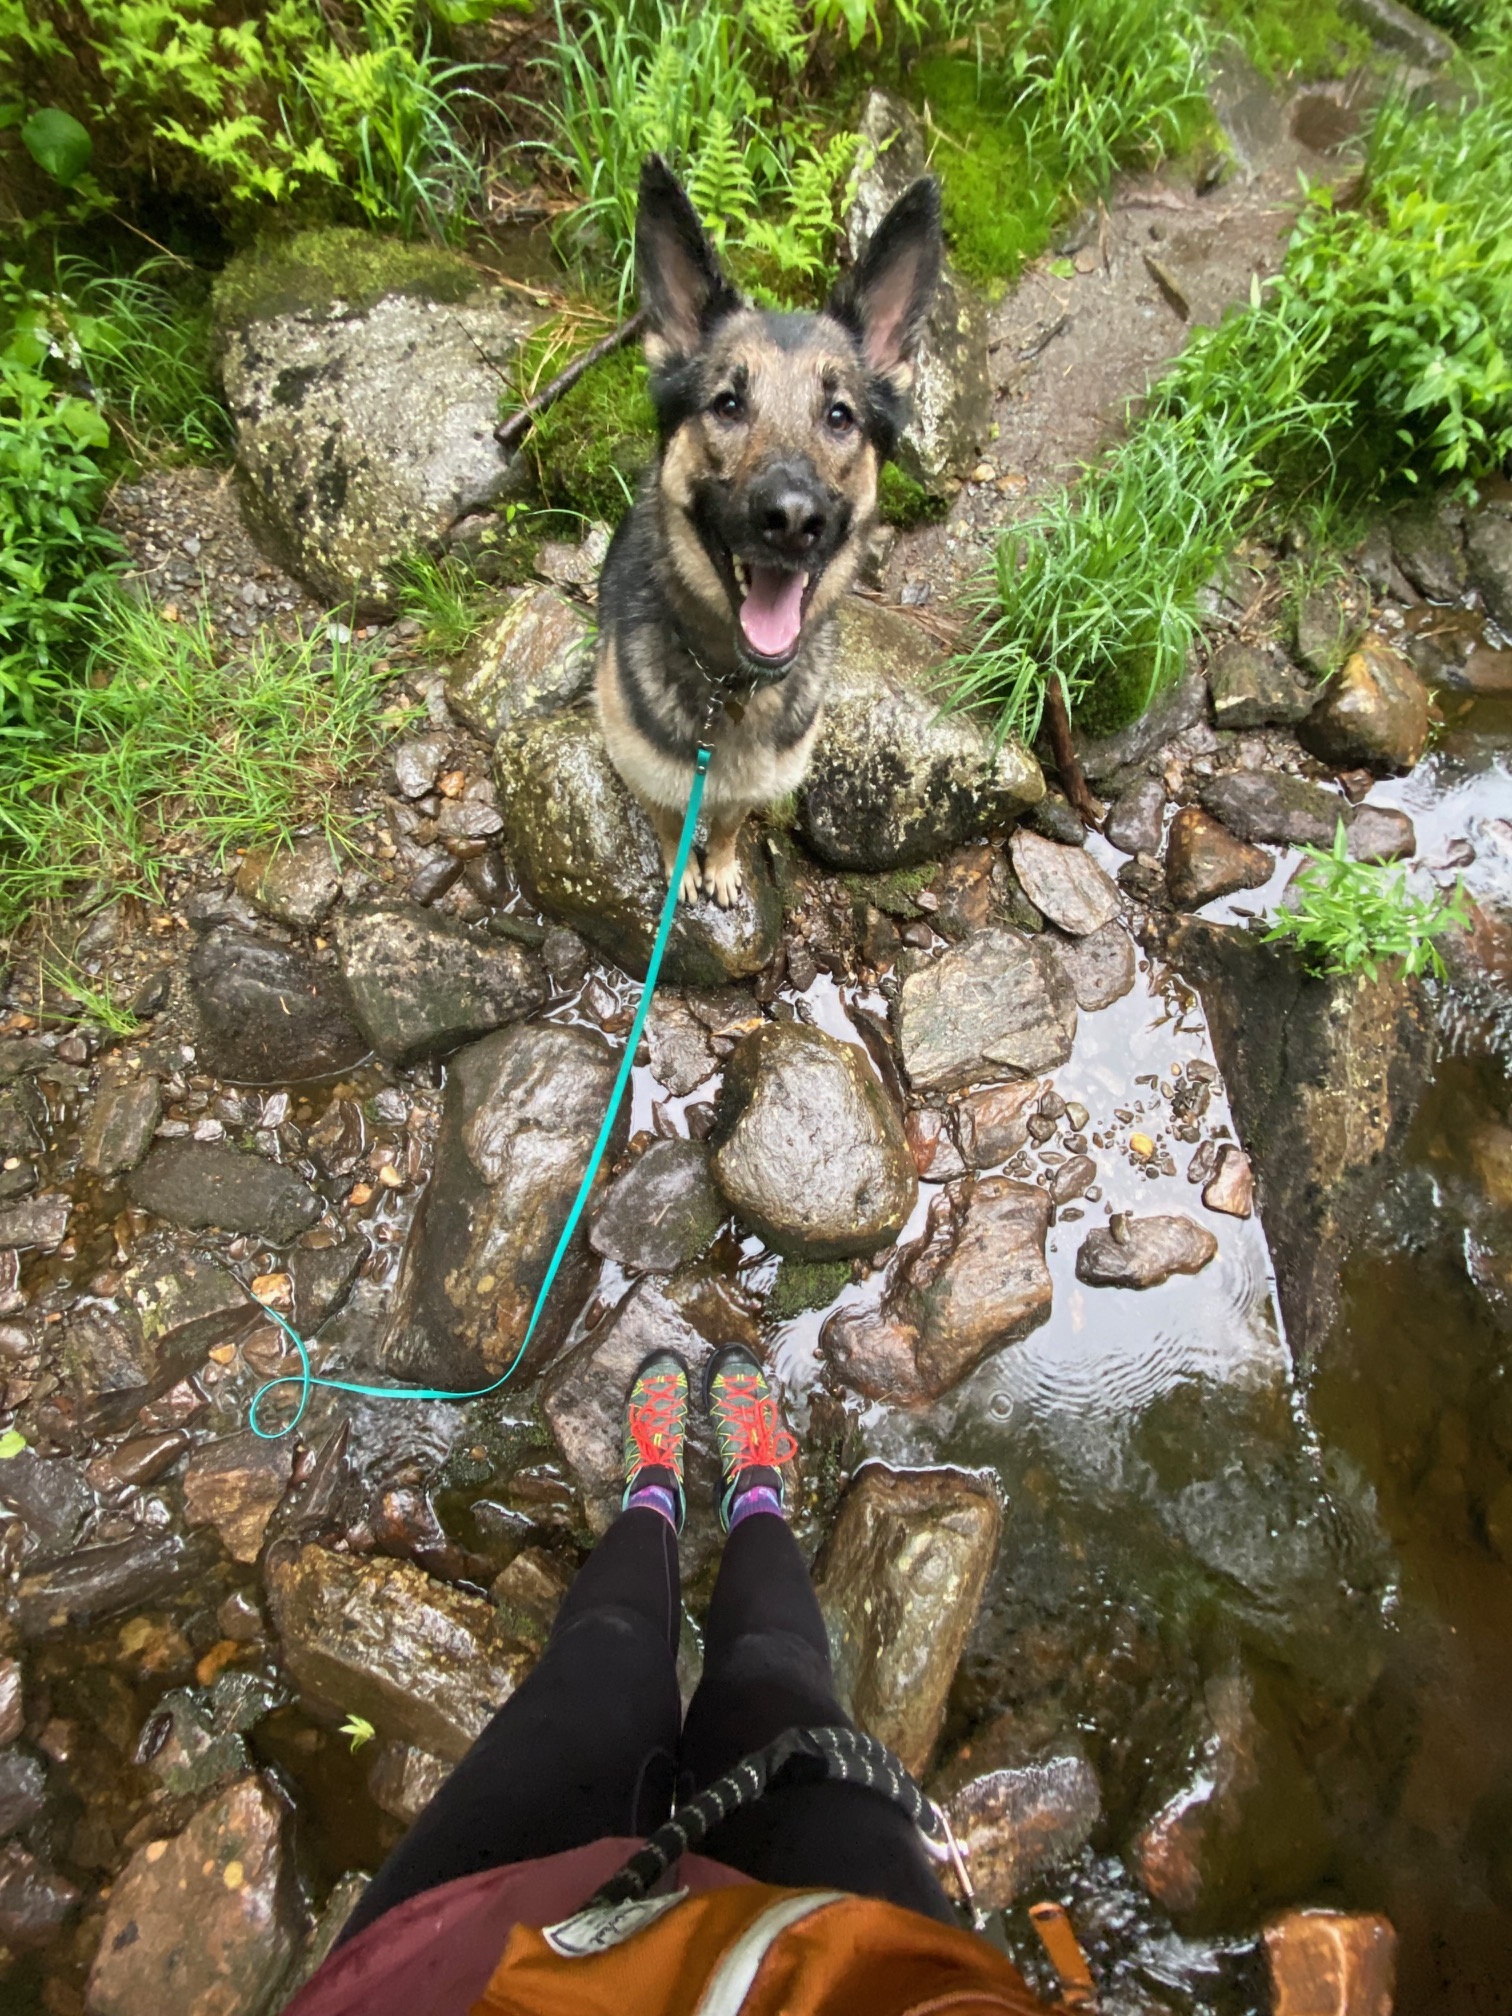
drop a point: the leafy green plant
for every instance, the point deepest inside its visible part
(12, 1442)
(1354, 917)
(247, 104)
(358, 1730)
(177, 738)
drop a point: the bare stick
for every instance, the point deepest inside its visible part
(511, 432)
(1074, 783)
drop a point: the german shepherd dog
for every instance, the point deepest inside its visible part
(724, 580)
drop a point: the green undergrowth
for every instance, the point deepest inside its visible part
(588, 449)
(1355, 917)
(904, 503)
(176, 740)
(1055, 97)
(1293, 38)
(1379, 360)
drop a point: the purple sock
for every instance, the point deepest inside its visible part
(654, 1498)
(758, 1498)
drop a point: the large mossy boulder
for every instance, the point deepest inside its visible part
(895, 781)
(1324, 1077)
(363, 382)
(952, 391)
(586, 853)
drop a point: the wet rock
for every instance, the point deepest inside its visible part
(420, 984)
(236, 1485)
(106, 1353)
(1397, 27)
(295, 885)
(894, 781)
(530, 1592)
(423, 1662)
(523, 1108)
(12, 1701)
(416, 764)
(205, 1923)
(534, 660)
(1268, 805)
(268, 1016)
(1073, 1179)
(322, 1277)
(35, 1902)
(998, 1003)
(1101, 967)
(1324, 1077)
(583, 1399)
(993, 1124)
(952, 391)
(1136, 821)
(1205, 861)
(346, 1894)
(1256, 686)
(1065, 883)
(1488, 547)
(1132, 1252)
(365, 433)
(183, 1303)
(1180, 706)
(1331, 1963)
(38, 1222)
(1057, 819)
(23, 1790)
(679, 1043)
(1374, 712)
(1426, 544)
(1245, 1823)
(404, 1780)
(807, 1148)
(662, 1212)
(1018, 1803)
(587, 855)
(899, 1581)
(50, 1494)
(1231, 1187)
(98, 1582)
(975, 1282)
(202, 1183)
(126, 1110)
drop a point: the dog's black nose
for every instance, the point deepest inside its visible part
(789, 510)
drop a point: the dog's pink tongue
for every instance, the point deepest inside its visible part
(772, 613)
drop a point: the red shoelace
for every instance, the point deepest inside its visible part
(655, 1419)
(748, 1420)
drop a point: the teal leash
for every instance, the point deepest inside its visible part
(306, 1380)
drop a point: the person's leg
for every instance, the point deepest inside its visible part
(587, 1744)
(767, 1669)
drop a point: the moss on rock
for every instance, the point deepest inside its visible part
(312, 269)
(904, 503)
(589, 448)
(804, 1284)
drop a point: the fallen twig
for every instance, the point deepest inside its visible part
(511, 432)
(1067, 762)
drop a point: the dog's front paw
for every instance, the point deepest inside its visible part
(722, 881)
(692, 888)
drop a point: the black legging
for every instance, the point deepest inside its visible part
(589, 1745)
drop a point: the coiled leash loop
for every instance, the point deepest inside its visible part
(305, 1379)
(798, 1757)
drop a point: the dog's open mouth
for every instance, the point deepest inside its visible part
(772, 601)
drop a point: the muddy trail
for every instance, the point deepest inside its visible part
(1141, 1302)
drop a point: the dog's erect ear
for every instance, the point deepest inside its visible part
(682, 288)
(884, 299)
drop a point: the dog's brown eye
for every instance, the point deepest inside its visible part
(727, 405)
(840, 419)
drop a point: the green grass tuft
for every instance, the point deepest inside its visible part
(1356, 917)
(1293, 38)
(175, 741)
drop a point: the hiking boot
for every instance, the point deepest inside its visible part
(656, 1419)
(753, 1444)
